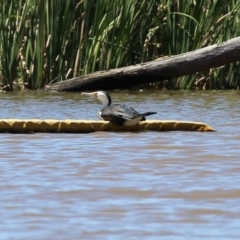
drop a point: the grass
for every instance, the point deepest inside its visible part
(43, 41)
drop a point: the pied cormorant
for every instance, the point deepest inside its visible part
(119, 114)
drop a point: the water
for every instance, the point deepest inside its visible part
(148, 185)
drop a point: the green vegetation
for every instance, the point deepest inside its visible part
(43, 41)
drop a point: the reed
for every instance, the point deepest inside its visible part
(50, 40)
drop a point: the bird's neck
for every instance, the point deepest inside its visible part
(105, 99)
(105, 103)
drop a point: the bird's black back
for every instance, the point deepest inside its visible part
(118, 113)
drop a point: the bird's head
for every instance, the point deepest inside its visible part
(104, 97)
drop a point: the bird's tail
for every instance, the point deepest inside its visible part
(148, 113)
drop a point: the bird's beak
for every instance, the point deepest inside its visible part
(93, 94)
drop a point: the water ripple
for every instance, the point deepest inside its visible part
(149, 185)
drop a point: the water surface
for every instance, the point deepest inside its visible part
(148, 185)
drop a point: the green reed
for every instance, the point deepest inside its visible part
(43, 41)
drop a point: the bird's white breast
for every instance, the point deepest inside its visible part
(99, 115)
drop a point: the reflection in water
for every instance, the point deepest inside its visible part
(149, 185)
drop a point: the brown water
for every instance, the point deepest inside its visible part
(148, 185)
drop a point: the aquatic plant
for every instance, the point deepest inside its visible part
(43, 41)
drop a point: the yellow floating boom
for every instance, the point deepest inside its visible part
(85, 126)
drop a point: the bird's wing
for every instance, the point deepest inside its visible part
(120, 111)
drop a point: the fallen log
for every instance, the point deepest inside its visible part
(160, 69)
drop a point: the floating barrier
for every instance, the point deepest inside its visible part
(85, 126)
